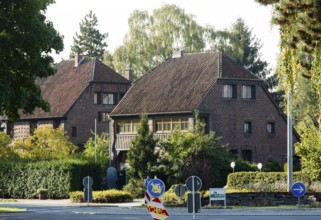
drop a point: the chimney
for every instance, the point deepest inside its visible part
(129, 73)
(177, 53)
(78, 59)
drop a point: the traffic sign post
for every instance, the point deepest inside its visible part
(88, 182)
(193, 184)
(180, 191)
(154, 205)
(298, 189)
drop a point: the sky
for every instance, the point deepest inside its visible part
(113, 19)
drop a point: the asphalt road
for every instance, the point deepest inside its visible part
(41, 212)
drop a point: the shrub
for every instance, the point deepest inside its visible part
(22, 179)
(267, 181)
(106, 196)
(136, 188)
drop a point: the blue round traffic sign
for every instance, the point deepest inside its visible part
(298, 189)
(156, 187)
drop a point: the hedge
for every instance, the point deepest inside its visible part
(267, 182)
(106, 196)
(22, 179)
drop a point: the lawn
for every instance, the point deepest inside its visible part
(7, 209)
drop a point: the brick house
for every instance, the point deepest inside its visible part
(230, 100)
(82, 90)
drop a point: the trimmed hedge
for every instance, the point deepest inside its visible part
(22, 179)
(267, 182)
(106, 196)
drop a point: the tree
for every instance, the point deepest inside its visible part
(309, 150)
(141, 155)
(89, 42)
(26, 41)
(194, 153)
(152, 38)
(6, 152)
(45, 144)
(240, 44)
(102, 148)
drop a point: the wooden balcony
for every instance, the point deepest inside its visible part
(124, 141)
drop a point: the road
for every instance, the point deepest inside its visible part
(37, 212)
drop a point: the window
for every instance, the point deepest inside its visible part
(103, 116)
(247, 127)
(248, 92)
(108, 98)
(229, 91)
(128, 126)
(270, 128)
(97, 98)
(169, 124)
(73, 132)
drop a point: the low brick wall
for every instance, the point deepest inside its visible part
(269, 199)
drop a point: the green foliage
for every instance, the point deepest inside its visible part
(106, 196)
(6, 152)
(90, 42)
(102, 148)
(141, 155)
(136, 188)
(189, 153)
(22, 180)
(27, 39)
(272, 166)
(266, 181)
(309, 149)
(152, 38)
(240, 44)
(45, 144)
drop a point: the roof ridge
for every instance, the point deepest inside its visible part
(93, 60)
(220, 65)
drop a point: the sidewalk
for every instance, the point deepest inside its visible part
(66, 202)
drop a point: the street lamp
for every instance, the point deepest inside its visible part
(259, 166)
(233, 165)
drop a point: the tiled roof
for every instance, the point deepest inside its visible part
(178, 84)
(62, 89)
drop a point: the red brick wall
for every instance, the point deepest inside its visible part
(83, 113)
(227, 116)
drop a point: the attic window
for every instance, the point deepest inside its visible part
(229, 91)
(108, 98)
(248, 91)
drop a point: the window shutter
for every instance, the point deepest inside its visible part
(99, 116)
(234, 92)
(253, 92)
(98, 98)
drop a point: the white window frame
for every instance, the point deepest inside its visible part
(228, 91)
(108, 98)
(246, 92)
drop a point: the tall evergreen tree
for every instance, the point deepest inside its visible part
(141, 155)
(26, 41)
(241, 45)
(89, 42)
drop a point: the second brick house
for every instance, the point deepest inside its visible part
(231, 101)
